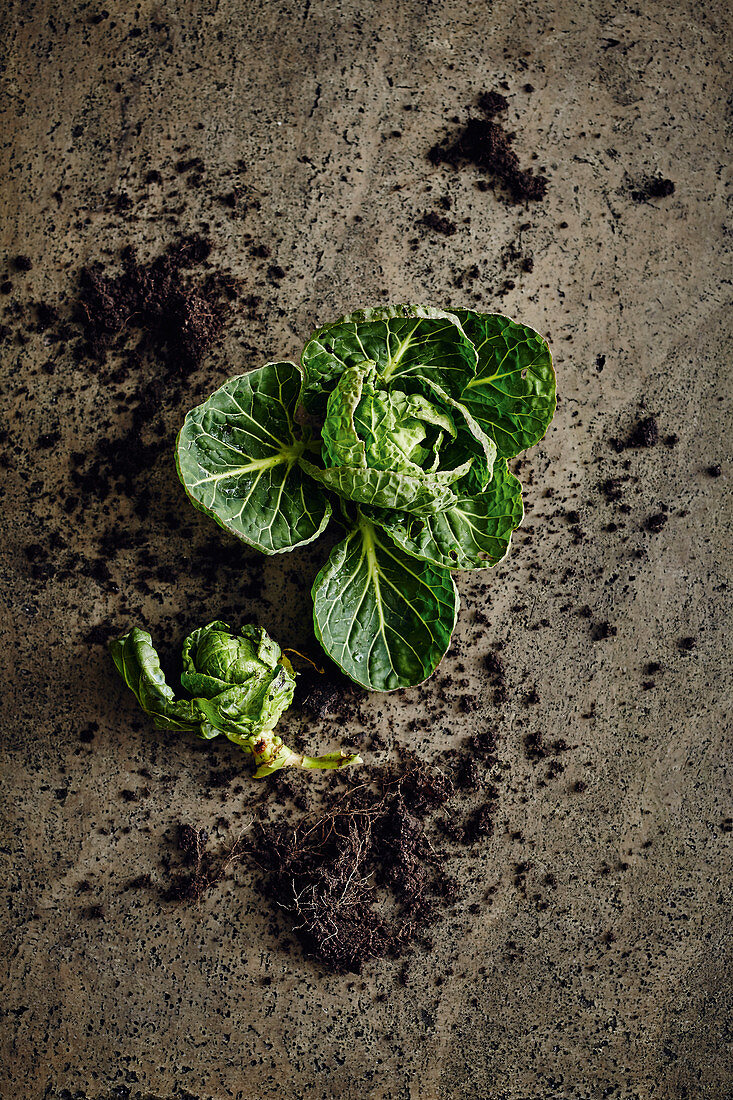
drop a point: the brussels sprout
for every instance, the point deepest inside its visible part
(407, 446)
(240, 685)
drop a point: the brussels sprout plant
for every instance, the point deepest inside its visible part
(239, 684)
(399, 422)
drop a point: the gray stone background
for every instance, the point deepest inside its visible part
(619, 986)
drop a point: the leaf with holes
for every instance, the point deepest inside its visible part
(512, 395)
(237, 457)
(383, 616)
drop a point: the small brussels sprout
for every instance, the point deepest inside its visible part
(240, 685)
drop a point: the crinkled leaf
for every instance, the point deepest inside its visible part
(237, 457)
(471, 443)
(381, 615)
(401, 431)
(248, 710)
(385, 447)
(418, 494)
(473, 534)
(138, 664)
(403, 341)
(512, 395)
(214, 658)
(340, 442)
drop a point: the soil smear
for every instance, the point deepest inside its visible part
(144, 329)
(154, 311)
(652, 188)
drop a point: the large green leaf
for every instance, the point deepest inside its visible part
(474, 534)
(512, 395)
(237, 457)
(403, 341)
(380, 614)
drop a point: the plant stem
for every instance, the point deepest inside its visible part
(271, 755)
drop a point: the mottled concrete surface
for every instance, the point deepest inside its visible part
(611, 980)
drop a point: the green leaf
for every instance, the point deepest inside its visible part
(380, 614)
(250, 710)
(474, 534)
(419, 494)
(214, 658)
(341, 445)
(237, 457)
(512, 395)
(471, 444)
(138, 664)
(375, 440)
(403, 341)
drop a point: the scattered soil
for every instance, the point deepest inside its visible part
(157, 321)
(645, 433)
(613, 488)
(537, 748)
(484, 143)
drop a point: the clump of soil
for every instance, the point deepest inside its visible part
(656, 522)
(438, 223)
(323, 692)
(361, 880)
(652, 188)
(177, 320)
(360, 875)
(603, 630)
(484, 143)
(645, 433)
